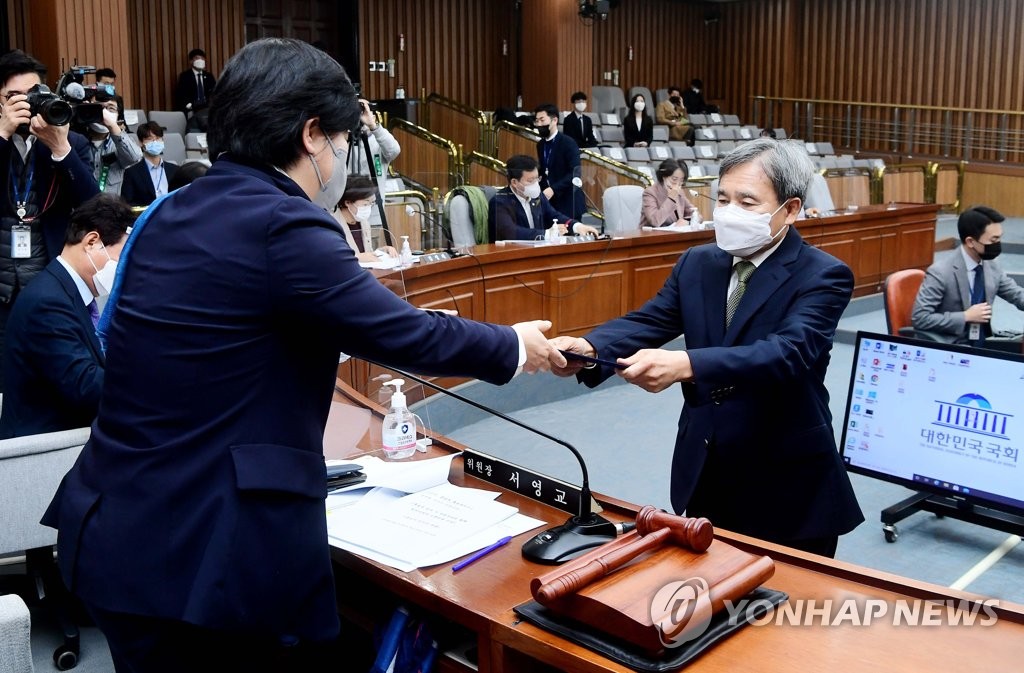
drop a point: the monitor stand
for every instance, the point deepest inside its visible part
(955, 508)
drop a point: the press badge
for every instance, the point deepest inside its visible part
(21, 241)
(975, 332)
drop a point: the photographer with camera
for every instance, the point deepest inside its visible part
(112, 151)
(383, 149)
(44, 169)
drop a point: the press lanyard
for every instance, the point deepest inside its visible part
(103, 177)
(547, 156)
(21, 198)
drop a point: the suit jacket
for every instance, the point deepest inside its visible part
(52, 359)
(946, 293)
(659, 210)
(71, 179)
(200, 494)
(632, 135)
(559, 159)
(137, 188)
(755, 451)
(185, 90)
(580, 128)
(507, 220)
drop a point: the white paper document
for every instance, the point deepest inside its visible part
(407, 476)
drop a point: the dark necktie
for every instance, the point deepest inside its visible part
(200, 92)
(94, 313)
(744, 269)
(977, 297)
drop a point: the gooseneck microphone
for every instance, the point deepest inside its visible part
(581, 532)
(578, 182)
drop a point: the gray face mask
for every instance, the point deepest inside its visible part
(331, 191)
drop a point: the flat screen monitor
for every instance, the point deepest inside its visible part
(937, 418)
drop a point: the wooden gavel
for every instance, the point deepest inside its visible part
(653, 528)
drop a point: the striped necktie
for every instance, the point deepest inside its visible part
(744, 269)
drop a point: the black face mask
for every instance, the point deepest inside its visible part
(676, 100)
(992, 250)
(544, 131)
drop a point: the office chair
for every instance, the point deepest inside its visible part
(31, 469)
(15, 635)
(622, 205)
(898, 296)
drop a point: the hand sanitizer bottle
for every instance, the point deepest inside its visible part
(696, 221)
(406, 252)
(399, 430)
(554, 233)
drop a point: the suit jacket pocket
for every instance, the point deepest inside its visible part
(275, 467)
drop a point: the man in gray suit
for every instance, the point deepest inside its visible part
(954, 302)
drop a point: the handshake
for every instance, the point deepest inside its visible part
(652, 369)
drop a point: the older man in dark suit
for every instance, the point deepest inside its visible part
(755, 451)
(53, 359)
(192, 525)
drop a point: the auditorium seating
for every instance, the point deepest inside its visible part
(173, 121)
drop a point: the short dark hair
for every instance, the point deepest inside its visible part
(669, 166)
(973, 221)
(186, 174)
(196, 52)
(550, 109)
(579, 95)
(149, 129)
(107, 214)
(357, 188)
(519, 164)
(18, 62)
(106, 72)
(268, 91)
(676, 89)
(696, 83)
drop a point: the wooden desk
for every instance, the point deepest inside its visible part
(480, 599)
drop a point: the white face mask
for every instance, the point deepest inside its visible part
(742, 232)
(532, 191)
(363, 213)
(104, 278)
(639, 106)
(199, 64)
(330, 191)
(96, 127)
(581, 106)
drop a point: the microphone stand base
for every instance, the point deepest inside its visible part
(573, 538)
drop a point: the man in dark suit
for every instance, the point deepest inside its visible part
(193, 90)
(755, 451)
(693, 99)
(521, 212)
(53, 359)
(954, 304)
(192, 525)
(559, 159)
(577, 124)
(46, 170)
(146, 180)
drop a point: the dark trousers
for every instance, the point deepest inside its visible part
(5, 313)
(154, 645)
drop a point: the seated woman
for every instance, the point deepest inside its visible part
(664, 202)
(637, 125)
(353, 214)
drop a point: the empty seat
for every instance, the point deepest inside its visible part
(695, 171)
(195, 145)
(132, 119)
(607, 99)
(706, 133)
(660, 95)
(812, 149)
(660, 133)
(174, 148)
(698, 119)
(644, 168)
(660, 152)
(612, 134)
(622, 205)
(844, 161)
(827, 162)
(685, 153)
(731, 119)
(825, 149)
(638, 154)
(594, 117)
(173, 121)
(726, 133)
(725, 146)
(610, 119)
(746, 133)
(705, 149)
(616, 153)
(716, 118)
(780, 134)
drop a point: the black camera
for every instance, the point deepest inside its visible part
(51, 107)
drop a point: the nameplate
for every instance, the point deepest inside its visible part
(539, 487)
(434, 257)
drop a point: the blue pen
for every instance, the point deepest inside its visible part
(482, 553)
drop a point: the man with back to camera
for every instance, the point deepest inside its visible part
(192, 524)
(577, 124)
(559, 159)
(53, 359)
(520, 211)
(954, 304)
(193, 90)
(147, 180)
(755, 451)
(45, 173)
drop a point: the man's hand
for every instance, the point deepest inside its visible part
(581, 229)
(366, 115)
(549, 193)
(110, 118)
(13, 113)
(654, 369)
(541, 356)
(573, 345)
(54, 137)
(979, 313)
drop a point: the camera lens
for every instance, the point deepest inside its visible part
(56, 112)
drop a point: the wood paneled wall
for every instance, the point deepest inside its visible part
(164, 31)
(557, 48)
(452, 47)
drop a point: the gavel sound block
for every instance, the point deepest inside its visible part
(656, 586)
